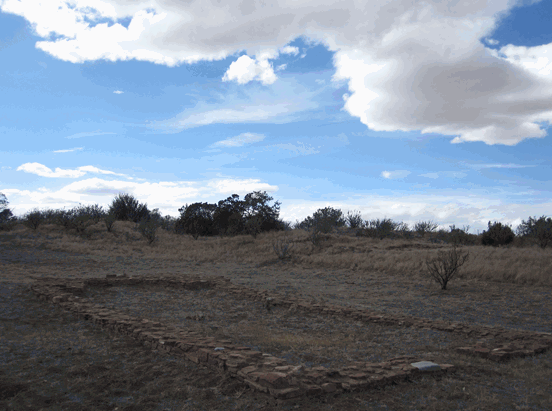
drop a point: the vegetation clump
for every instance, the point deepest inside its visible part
(497, 235)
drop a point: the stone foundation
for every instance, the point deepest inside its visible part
(264, 372)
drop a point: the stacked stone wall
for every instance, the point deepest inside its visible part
(266, 373)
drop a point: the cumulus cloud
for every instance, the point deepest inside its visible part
(43, 171)
(118, 92)
(409, 65)
(167, 196)
(290, 50)
(245, 69)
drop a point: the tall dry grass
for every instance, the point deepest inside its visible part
(340, 250)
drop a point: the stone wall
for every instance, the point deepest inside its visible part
(264, 372)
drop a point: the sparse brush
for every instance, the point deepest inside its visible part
(282, 249)
(33, 219)
(109, 220)
(148, 228)
(445, 267)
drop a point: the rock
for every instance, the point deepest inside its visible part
(426, 366)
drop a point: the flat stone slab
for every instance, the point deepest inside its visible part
(426, 366)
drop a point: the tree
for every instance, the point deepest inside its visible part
(5, 213)
(126, 208)
(196, 219)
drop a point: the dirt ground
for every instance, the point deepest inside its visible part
(50, 360)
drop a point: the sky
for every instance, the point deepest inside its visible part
(400, 109)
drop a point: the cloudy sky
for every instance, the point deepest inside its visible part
(402, 109)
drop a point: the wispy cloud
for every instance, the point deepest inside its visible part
(395, 174)
(69, 151)
(238, 141)
(118, 92)
(478, 166)
(267, 105)
(43, 171)
(89, 134)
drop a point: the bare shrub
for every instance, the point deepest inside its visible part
(109, 221)
(425, 227)
(282, 249)
(33, 219)
(253, 225)
(443, 268)
(148, 227)
(354, 220)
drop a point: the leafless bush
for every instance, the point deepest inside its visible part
(282, 249)
(33, 219)
(443, 268)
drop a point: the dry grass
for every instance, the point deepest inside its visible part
(514, 264)
(46, 354)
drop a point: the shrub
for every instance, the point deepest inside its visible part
(148, 227)
(458, 236)
(380, 229)
(196, 219)
(282, 249)
(126, 208)
(354, 220)
(80, 220)
(539, 231)
(109, 220)
(7, 219)
(95, 212)
(443, 268)
(497, 234)
(253, 225)
(168, 223)
(33, 219)
(425, 227)
(63, 218)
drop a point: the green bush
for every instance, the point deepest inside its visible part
(126, 208)
(538, 231)
(497, 234)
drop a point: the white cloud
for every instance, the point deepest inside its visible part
(246, 106)
(68, 151)
(238, 141)
(281, 67)
(536, 60)
(395, 174)
(245, 69)
(118, 92)
(478, 166)
(289, 50)
(409, 65)
(43, 171)
(89, 134)
(492, 42)
(167, 196)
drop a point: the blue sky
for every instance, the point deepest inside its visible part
(408, 110)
